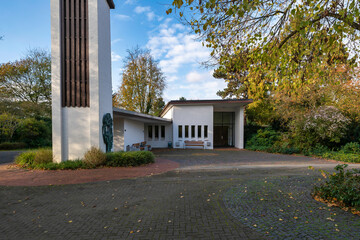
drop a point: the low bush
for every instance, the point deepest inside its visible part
(351, 147)
(129, 159)
(25, 159)
(43, 156)
(68, 165)
(12, 145)
(94, 157)
(343, 157)
(342, 187)
(264, 140)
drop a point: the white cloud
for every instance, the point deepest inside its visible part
(116, 40)
(115, 57)
(150, 16)
(148, 12)
(140, 9)
(176, 48)
(122, 17)
(130, 2)
(195, 77)
(180, 56)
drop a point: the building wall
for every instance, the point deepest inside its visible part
(239, 128)
(193, 115)
(159, 142)
(133, 132)
(169, 114)
(118, 134)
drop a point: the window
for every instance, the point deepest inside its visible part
(162, 131)
(156, 131)
(199, 131)
(193, 131)
(150, 134)
(205, 131)
(186, 131)
(180, 131)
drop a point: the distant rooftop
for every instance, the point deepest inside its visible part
(204, 102)
(139, 116)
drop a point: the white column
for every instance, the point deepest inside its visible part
(55, 80)
(239, 128)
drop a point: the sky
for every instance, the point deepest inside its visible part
(25, 25)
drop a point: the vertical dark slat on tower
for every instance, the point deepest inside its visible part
(77, 54)
(63, 51)
(87, 77)
(73, 64)
(74, 51)
(68, 53)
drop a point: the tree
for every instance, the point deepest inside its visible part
(231, 26)
(142, 85)
(28, 79)
(266, 49)
(8, 125)
(182, 99)
(25, 85)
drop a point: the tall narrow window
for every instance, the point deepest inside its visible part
(162, 131)
(186, 131)
(180, 131)
(205, 131)
(157, 131)
(193, 131)
(75, 53)
(199, 131)
(150, 132)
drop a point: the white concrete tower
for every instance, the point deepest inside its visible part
(81, 75)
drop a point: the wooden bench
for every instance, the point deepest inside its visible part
(194, 144)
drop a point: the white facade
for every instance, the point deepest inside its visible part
(188, 120)
(183, 121)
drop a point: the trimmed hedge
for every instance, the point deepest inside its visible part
(129, 159)
(12, 145)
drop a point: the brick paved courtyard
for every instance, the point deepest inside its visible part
(193, 202)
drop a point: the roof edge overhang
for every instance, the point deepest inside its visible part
(139, 116)
(172, 103)
(111, 4)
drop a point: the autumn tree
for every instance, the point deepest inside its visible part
(142, 85)
(266, 48)
(25, 84)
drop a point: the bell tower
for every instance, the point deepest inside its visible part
(81, 75)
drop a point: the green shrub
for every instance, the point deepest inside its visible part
(43, 156)
(343, 157)
(94, 157)
(351, 147)
(318, 150)
(68, 165)
(264, 140)
(342, 187)
(127, 159)
(12, 145)
(35, 133)
(25, 159)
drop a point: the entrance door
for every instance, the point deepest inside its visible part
(221, 136)
(224, 129)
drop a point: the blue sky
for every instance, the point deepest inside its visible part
(25, 24)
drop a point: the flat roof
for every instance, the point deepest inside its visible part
(111, 4)
(204, 102)
(139, 116)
